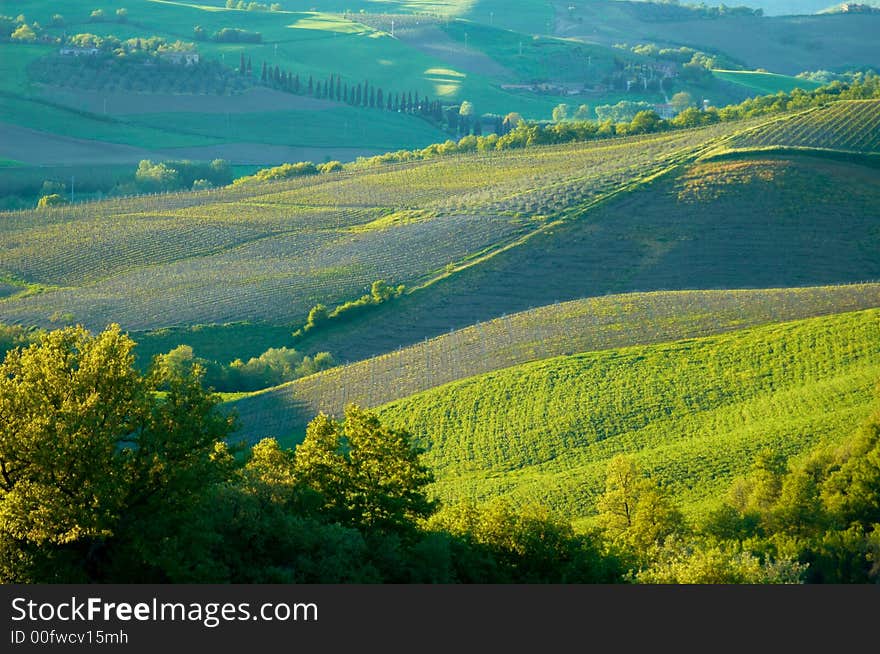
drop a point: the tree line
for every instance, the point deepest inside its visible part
(363, 94)
(137, 479)
(523, 133)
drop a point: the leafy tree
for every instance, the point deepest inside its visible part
(24, 33)
(155, 177)
(97, 16)
(511, 120)
(645, 122)
(94, 466)
(330, 167)
(681, 101)
(560, 113)
(121, 15)
(582, 113)
(318, 315)
(633, 510)
(51, 200)
(691, 562)
(367, 475)
(528, 544)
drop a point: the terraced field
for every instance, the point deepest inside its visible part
(852, 126)
(693, 413)
(579, 326)
(270, 252)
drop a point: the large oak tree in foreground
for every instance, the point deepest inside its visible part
(99, 464)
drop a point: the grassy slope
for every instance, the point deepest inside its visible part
(268, 254)
(785, 44)
(848, 127)
(308, 43)
(579, 326)
(292, 40)
(761, 222)
(759, 83)
(693, 412)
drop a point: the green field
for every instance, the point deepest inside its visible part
(587, 325)
(759, 222)
(762, 83)
(781, 44)
(849, 127)
(56, 119)
(371, 130)
(269, 253)
(462, 233)
(457, 60)
(693, 413)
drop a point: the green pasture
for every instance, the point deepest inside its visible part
(693, 413)
(764, 83)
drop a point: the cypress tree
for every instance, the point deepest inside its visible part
(296, 83)
(372, 97)
(318, 90)
(249, 69)
(310, 85)
(277, 75)
(389, 102)
(358, 98)
(263, 75)
(331, 88)
(379, 100)
(345, 93)
(409, 104)
(366, 95)
(338, 87)
(241, 65)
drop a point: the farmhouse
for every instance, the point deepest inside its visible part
(665, 111)
(181, 57)
(78, 52)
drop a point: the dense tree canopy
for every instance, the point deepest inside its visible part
(108, 474)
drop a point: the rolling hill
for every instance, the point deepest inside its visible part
(693, 413)
(780, 44)
(847, 127)
(761, 220)
(268, 253)
(588, 325)
(525, 56)
(462, 233)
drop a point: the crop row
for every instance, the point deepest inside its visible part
(852, 126)
(693, 412)
(272, 279)
(565, 328)
(273, 251)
